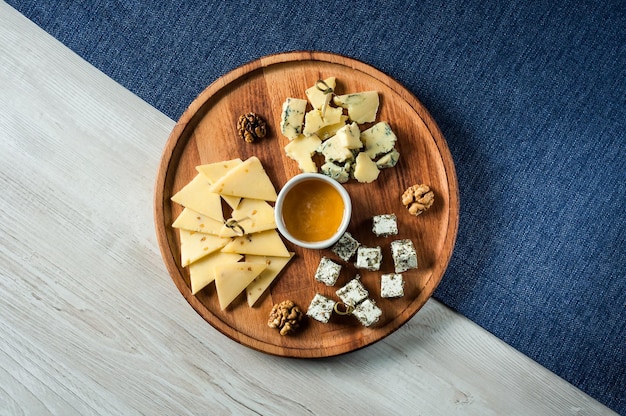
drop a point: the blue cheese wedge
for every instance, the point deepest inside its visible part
(317, 94)
(353, 292)
(292, 117)
(367, 312)
(340, 173)
(346, 247)
(362, 106)
(404, 255)
(365, 169)
(385, 225)
(369, 258)
(378, 139)
(391, 285)
(321, 308)
(327, 272)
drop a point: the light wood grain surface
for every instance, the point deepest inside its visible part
(91, 322)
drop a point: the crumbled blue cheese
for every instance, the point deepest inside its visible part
(327, 272)
(388, 160)
(404, 255)
(367, 312)
(292, 117)
(365, 169)
(391, 285)
(369, 258)
(321, 308)
(318, 98)
(346, 247)
(362, 106)
(378, 139)
(314, 120)
(353, 292)
(385, 225)
(333, 151)
(340, 173)
(350, 136)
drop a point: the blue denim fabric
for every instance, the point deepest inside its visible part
(531, 97)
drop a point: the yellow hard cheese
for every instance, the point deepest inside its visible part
(232, 278)
(202, 272)
(194, 221)
(197, 196)
(214, 171)
(365, 169)
(195, 245)
(301, 149)
(265, 243)
(260, 283)
(251, 216)
(319, 98)
(247, 180)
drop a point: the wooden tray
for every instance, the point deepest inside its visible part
(207, 133)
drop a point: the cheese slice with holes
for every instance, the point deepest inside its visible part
(260, 283)
(214, 171)
(265, 243)
(252, 216)
(197, 196)
(202, 272)
(232, 278)
(247, 180)
(195, 245)
(194, 221)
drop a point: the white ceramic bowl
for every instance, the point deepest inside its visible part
(347, 211)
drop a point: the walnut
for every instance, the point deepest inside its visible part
(286, 317)
(418, 198)
(251, 127)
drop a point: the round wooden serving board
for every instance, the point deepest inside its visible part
(207, 133)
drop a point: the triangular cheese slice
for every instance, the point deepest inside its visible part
(195, 245)
(247, 180)
(232, 278)
(194, 221)
(214, 171)
(260, 283)
(196, 196)
(265, 243)
(202, 272)
(251, 216)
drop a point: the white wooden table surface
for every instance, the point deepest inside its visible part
(91, 323)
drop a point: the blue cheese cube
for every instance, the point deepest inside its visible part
(385, 225)
(367, 312)
(327, 272)
(321, 308)
(369, 258)
(404, 255)
(391, 285)
(362, 106)
(353, 292)
(346, 247)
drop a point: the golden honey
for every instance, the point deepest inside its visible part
(313, 210)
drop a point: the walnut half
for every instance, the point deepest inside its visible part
(251, 127)
(418, 198)
(286, 317)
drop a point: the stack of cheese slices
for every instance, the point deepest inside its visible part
(241, 253)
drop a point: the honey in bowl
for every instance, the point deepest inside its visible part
(313, 210)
